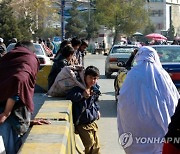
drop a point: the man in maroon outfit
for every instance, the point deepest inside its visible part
(18, 70)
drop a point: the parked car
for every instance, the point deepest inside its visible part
(116, 54)
(170, 60)
(40, 53)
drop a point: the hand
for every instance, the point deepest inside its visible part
(135, 51)
(87, 93)
(99, 115)
(3, 117)
(92, 92)
(39, 122)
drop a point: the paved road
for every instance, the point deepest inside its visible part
(107, 124)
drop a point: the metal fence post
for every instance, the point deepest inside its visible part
(62, 20)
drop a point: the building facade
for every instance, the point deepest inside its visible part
(164, 13)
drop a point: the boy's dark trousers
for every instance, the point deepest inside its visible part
(88, 135)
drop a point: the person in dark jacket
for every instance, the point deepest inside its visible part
(86, 110)
(129, 62)
(75, 44)
(62, 45)
(81, 52)
(59, 63)
(172, 145)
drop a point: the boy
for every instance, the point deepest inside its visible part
(86, 110)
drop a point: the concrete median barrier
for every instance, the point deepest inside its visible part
(57, 137)
(48, 139)
(42, 78)
(56, 110)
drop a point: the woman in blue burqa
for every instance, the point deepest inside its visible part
(146, 102)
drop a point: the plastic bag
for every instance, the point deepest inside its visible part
(69, 77)
(2, 148)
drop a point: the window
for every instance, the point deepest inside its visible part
(160, 12)
(159, 26)
(155, 13)
(155, 0)
(168, 54)
(123, 49)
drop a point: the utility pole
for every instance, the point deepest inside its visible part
(62, 20)
(89, 11)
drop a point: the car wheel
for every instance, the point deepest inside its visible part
(108, 75)
(116, 88)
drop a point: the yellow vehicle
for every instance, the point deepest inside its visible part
(121, 75)
(119, 80)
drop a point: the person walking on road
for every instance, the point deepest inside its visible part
(146, 102)
(86, 110)
(104, 46)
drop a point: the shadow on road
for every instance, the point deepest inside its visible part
(109, 93)
(108, 108)
(104, 77)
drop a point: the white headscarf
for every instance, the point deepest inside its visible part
(148, 54)
(146, 102)
(1, 40)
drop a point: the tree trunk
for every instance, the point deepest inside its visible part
(115, 37)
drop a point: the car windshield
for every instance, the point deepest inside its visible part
(38, 48)
(168, 54)
(10, 47)
(122, 49)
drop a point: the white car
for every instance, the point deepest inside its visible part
(40, 53)
(116, 54)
